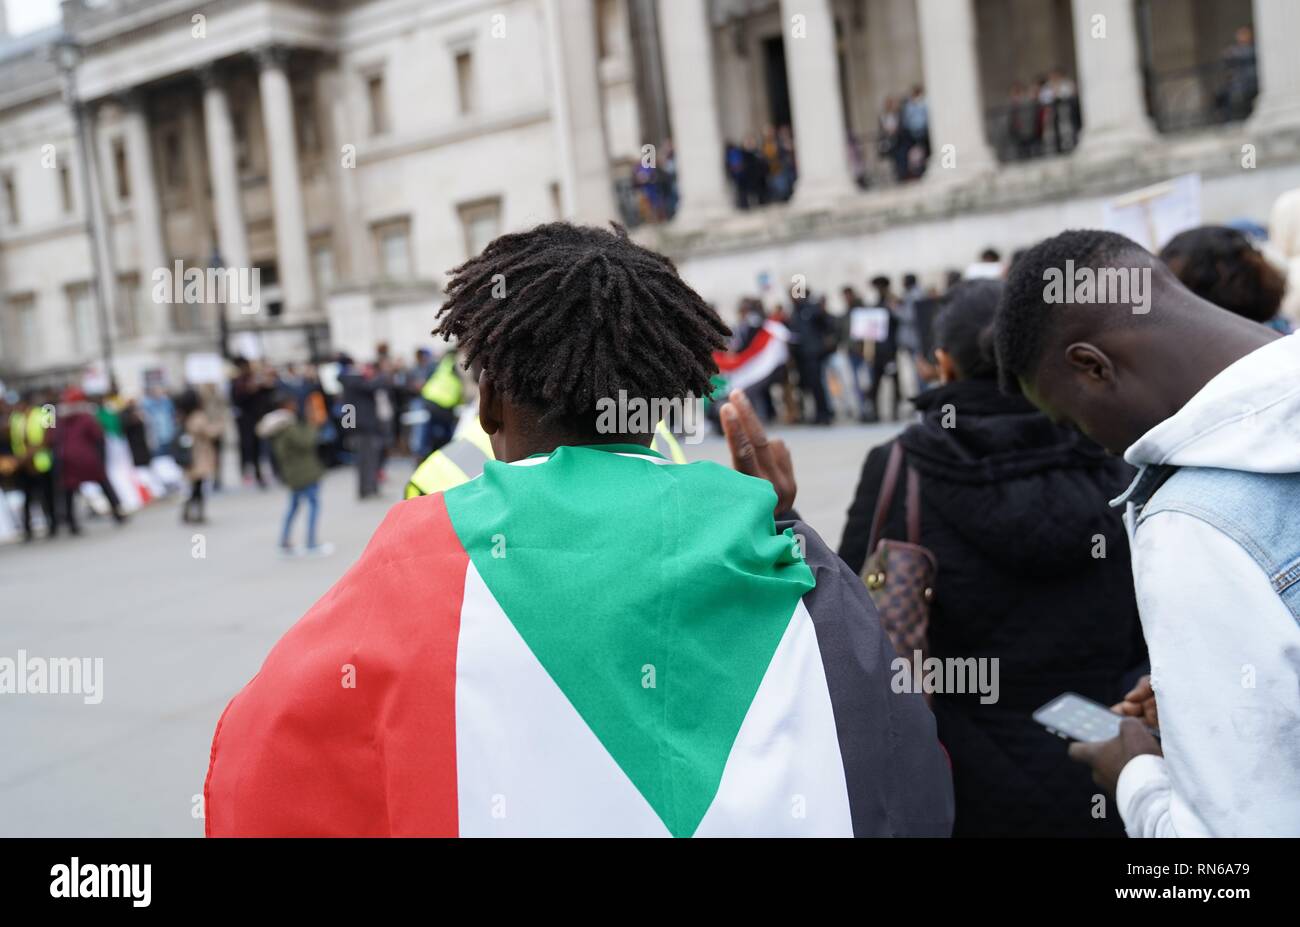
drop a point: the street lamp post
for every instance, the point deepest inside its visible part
(223, 324)
(67, 54)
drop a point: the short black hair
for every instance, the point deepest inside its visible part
(563, 315)
(1024, 319)
(990, 256)
(1220, 265)
(964, 327)
(187, 403)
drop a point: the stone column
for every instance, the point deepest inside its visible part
(350, 239)
(293, 256)
(950, 64)
(1277, 28)
(146, 210)
(587, 188)
(687, 42)
(97, 221)
(223, 167)
(813, 71)
(1115, 120)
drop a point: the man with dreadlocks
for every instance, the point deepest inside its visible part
(587, 638)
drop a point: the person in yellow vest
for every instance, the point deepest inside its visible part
(28, 437)
(458, 461)
(441, 394)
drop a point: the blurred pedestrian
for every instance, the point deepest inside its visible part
(916, 132)
(364, 424)
(1236, 96)
(196, 453)
(251, 394)
(160, 417)
(293, 442)
(30, 440)
(81, 451)
(884, 354)
(816, 338)
(217, 407)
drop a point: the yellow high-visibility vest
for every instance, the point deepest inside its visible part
(444, 387)
(27, 429)
(468, 453)
(457, 462)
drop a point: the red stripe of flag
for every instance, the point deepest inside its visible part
(298, 752)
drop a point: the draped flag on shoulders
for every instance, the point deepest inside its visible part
(766, 354)
(594, 642)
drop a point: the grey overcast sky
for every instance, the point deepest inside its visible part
(26, 15)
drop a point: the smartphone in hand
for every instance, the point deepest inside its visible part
(1073, 717)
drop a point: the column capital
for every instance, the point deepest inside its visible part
(272, 56)
(132, 99)
(210, 76)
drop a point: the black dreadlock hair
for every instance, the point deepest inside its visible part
(1024, 320)
(585, 313)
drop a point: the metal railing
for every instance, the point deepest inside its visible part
(1215, 93)
(1028, 129)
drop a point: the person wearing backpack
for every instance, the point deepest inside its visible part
(1032, 570)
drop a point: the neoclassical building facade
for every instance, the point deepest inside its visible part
(352, 151)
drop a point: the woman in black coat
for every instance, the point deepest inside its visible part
(1033, 569)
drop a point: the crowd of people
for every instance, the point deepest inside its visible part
(860, 358)
(984, 533)
(1042, 117)
(903, 134)
(651, 195)
(65, 452)
(762, 168)
(1039, 117)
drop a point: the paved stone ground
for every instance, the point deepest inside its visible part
(180, 634)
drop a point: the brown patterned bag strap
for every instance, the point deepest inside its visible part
(913, 506)
(887, 488)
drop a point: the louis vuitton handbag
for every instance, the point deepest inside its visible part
(900, 574)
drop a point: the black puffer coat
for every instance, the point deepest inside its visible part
(1014, 509)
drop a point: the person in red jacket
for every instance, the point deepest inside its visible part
(80, 452)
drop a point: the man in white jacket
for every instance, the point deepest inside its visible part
(1207, 406)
